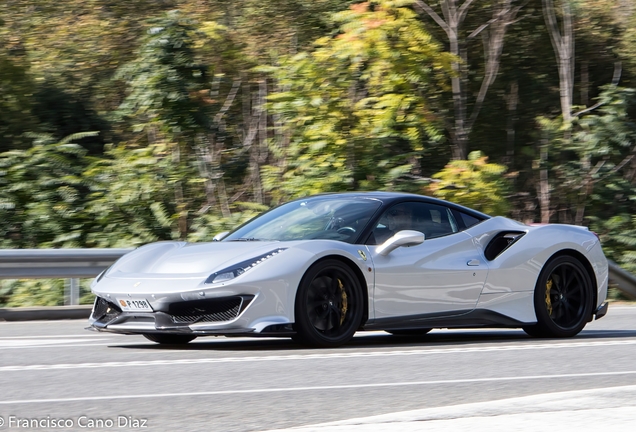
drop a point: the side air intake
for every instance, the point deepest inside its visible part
(501, 242)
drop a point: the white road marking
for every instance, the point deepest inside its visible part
(84, 335)
(56, 341)
(72, 345)
(318, 388)
(22, 343)
(339, 355)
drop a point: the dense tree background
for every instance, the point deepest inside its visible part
(123, 123)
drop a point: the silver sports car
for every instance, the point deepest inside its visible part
(319, 269)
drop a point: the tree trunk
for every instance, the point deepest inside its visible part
(544, 184)
(182, 208)
(493, 33)
(585, 83)
(563, 45)
(512, 101)
(258, 151)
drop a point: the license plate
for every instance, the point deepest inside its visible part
(134, 305)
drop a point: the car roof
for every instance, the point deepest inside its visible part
(388, 198)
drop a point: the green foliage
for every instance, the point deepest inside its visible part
(474, 183)
(132, 199)
(40, 292)
(591, 162)
(206, 226)
(618, 237)
(356, 109)
(42, 194)
(15, 103)
(164, 79)
(280, 27)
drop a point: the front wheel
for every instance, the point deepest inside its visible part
(329, 305)
(562, 299)
(169, 339)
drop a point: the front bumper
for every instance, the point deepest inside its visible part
(219, 316)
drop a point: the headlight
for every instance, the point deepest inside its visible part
(240, 268)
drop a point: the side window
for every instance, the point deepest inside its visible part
(469, 220)
(397, 218)
(435, 221)
(431, 219)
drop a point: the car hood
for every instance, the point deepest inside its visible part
(164, 259)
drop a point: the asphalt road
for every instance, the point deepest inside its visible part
(51, 371)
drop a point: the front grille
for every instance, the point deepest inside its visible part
(224, 309)
(104, 311)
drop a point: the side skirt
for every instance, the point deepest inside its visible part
(475, 318)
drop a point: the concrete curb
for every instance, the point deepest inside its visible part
(45, 313)
(577, 410)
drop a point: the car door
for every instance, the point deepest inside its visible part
(444, 274)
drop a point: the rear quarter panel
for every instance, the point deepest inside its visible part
(517, 268)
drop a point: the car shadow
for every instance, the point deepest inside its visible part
(376, 340)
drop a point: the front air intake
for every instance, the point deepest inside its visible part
(213, 310)
(104, 311)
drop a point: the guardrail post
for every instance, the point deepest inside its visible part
(72, 292)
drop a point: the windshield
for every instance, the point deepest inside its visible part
(314, 218)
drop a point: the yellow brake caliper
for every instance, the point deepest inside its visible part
(548, 301)
(343, 294)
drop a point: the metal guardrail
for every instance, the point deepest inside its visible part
(624, 280)
(73, 264)
(70, 264)
(56, 263)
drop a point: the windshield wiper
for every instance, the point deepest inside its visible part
(246, 239)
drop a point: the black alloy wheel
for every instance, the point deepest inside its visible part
(329, 305)
(169, 339)
(562, 299)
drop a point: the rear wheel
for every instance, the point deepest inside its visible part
(562, 299)
(329, 305)
(169, 339)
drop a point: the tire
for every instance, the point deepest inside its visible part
(410, 332)
(562, 299)
(169, 339)
(329, 305)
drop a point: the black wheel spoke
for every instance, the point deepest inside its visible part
(570, 308)
(322, 313)
(571, 278)
(574, 294)
(323, 287)
(568, 315)
(328, 325)
(564, 279)
(334, 286)
(335, 313)
(315, 304)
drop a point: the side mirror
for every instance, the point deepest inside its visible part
(220, 236)
(401, 238)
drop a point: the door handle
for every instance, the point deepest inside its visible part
(473, 262)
